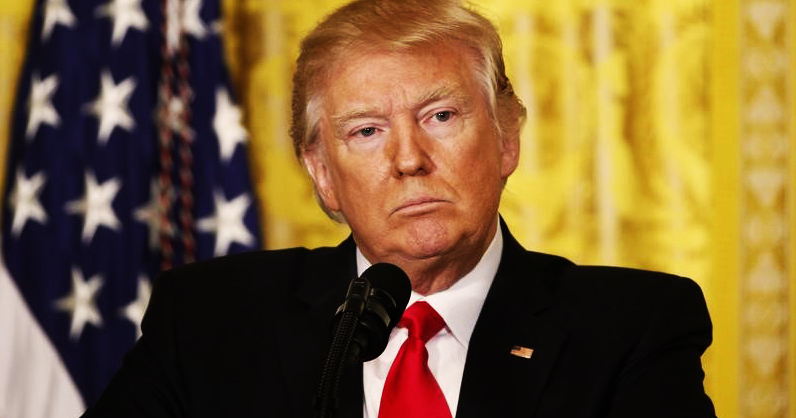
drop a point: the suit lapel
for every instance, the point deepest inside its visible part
(304, 336)
(515, 313)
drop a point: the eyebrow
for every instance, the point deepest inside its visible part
(354, 114)
(443, 92)
(440, 93)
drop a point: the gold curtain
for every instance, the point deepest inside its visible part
(661, 134)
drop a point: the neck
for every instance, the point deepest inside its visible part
(430, 275)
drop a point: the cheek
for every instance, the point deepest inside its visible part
(481, 169)
(356, 180)
(479, 159)
(352, 171)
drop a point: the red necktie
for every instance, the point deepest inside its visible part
(411, 390)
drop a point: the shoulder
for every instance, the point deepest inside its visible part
(627, 299)
(559, 274)
(606, 296)
(626, 281)
(635, 288)
(269, 265)
(242, 265)
(252, 280)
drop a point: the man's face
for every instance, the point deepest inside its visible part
(408, 153)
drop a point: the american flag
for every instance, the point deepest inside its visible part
(126, 157)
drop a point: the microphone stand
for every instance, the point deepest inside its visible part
(373, 305)
(340, 352)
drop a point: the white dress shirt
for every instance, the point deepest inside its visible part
(459, 306)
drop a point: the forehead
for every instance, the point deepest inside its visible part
(380, 79)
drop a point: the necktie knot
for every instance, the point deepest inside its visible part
(422, 321)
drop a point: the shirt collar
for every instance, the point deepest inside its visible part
(460, 304)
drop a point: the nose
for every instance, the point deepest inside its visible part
(411, 152)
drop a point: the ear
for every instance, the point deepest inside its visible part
(316, 162)
(509, 154)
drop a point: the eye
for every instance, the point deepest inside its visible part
(443, 116)
(367, 131)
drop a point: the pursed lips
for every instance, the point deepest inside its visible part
(420, 203)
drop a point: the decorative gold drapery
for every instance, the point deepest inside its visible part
(661, 134)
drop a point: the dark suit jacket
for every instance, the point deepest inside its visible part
(247, 335)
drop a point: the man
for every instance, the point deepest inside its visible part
(409, 128)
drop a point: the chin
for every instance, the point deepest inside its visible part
(426, 251)
(430, 239)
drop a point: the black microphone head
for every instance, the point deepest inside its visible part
(390, 279)
(389, 293)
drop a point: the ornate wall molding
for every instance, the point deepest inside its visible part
(766, 207)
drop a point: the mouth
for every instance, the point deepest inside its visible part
(418, 205)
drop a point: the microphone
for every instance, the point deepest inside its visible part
(362, 324)
(378, 298)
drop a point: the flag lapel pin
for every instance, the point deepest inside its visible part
(521, 351)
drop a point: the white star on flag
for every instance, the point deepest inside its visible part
(150, 215)
(110, 107)
(126, 14)
(40, 103)
(135, 310)
(191, 20)
(186, 16)
(226, 123)
(95, 206)
(227, 222)
(81, 304)
(56, 12)
(24, 200)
